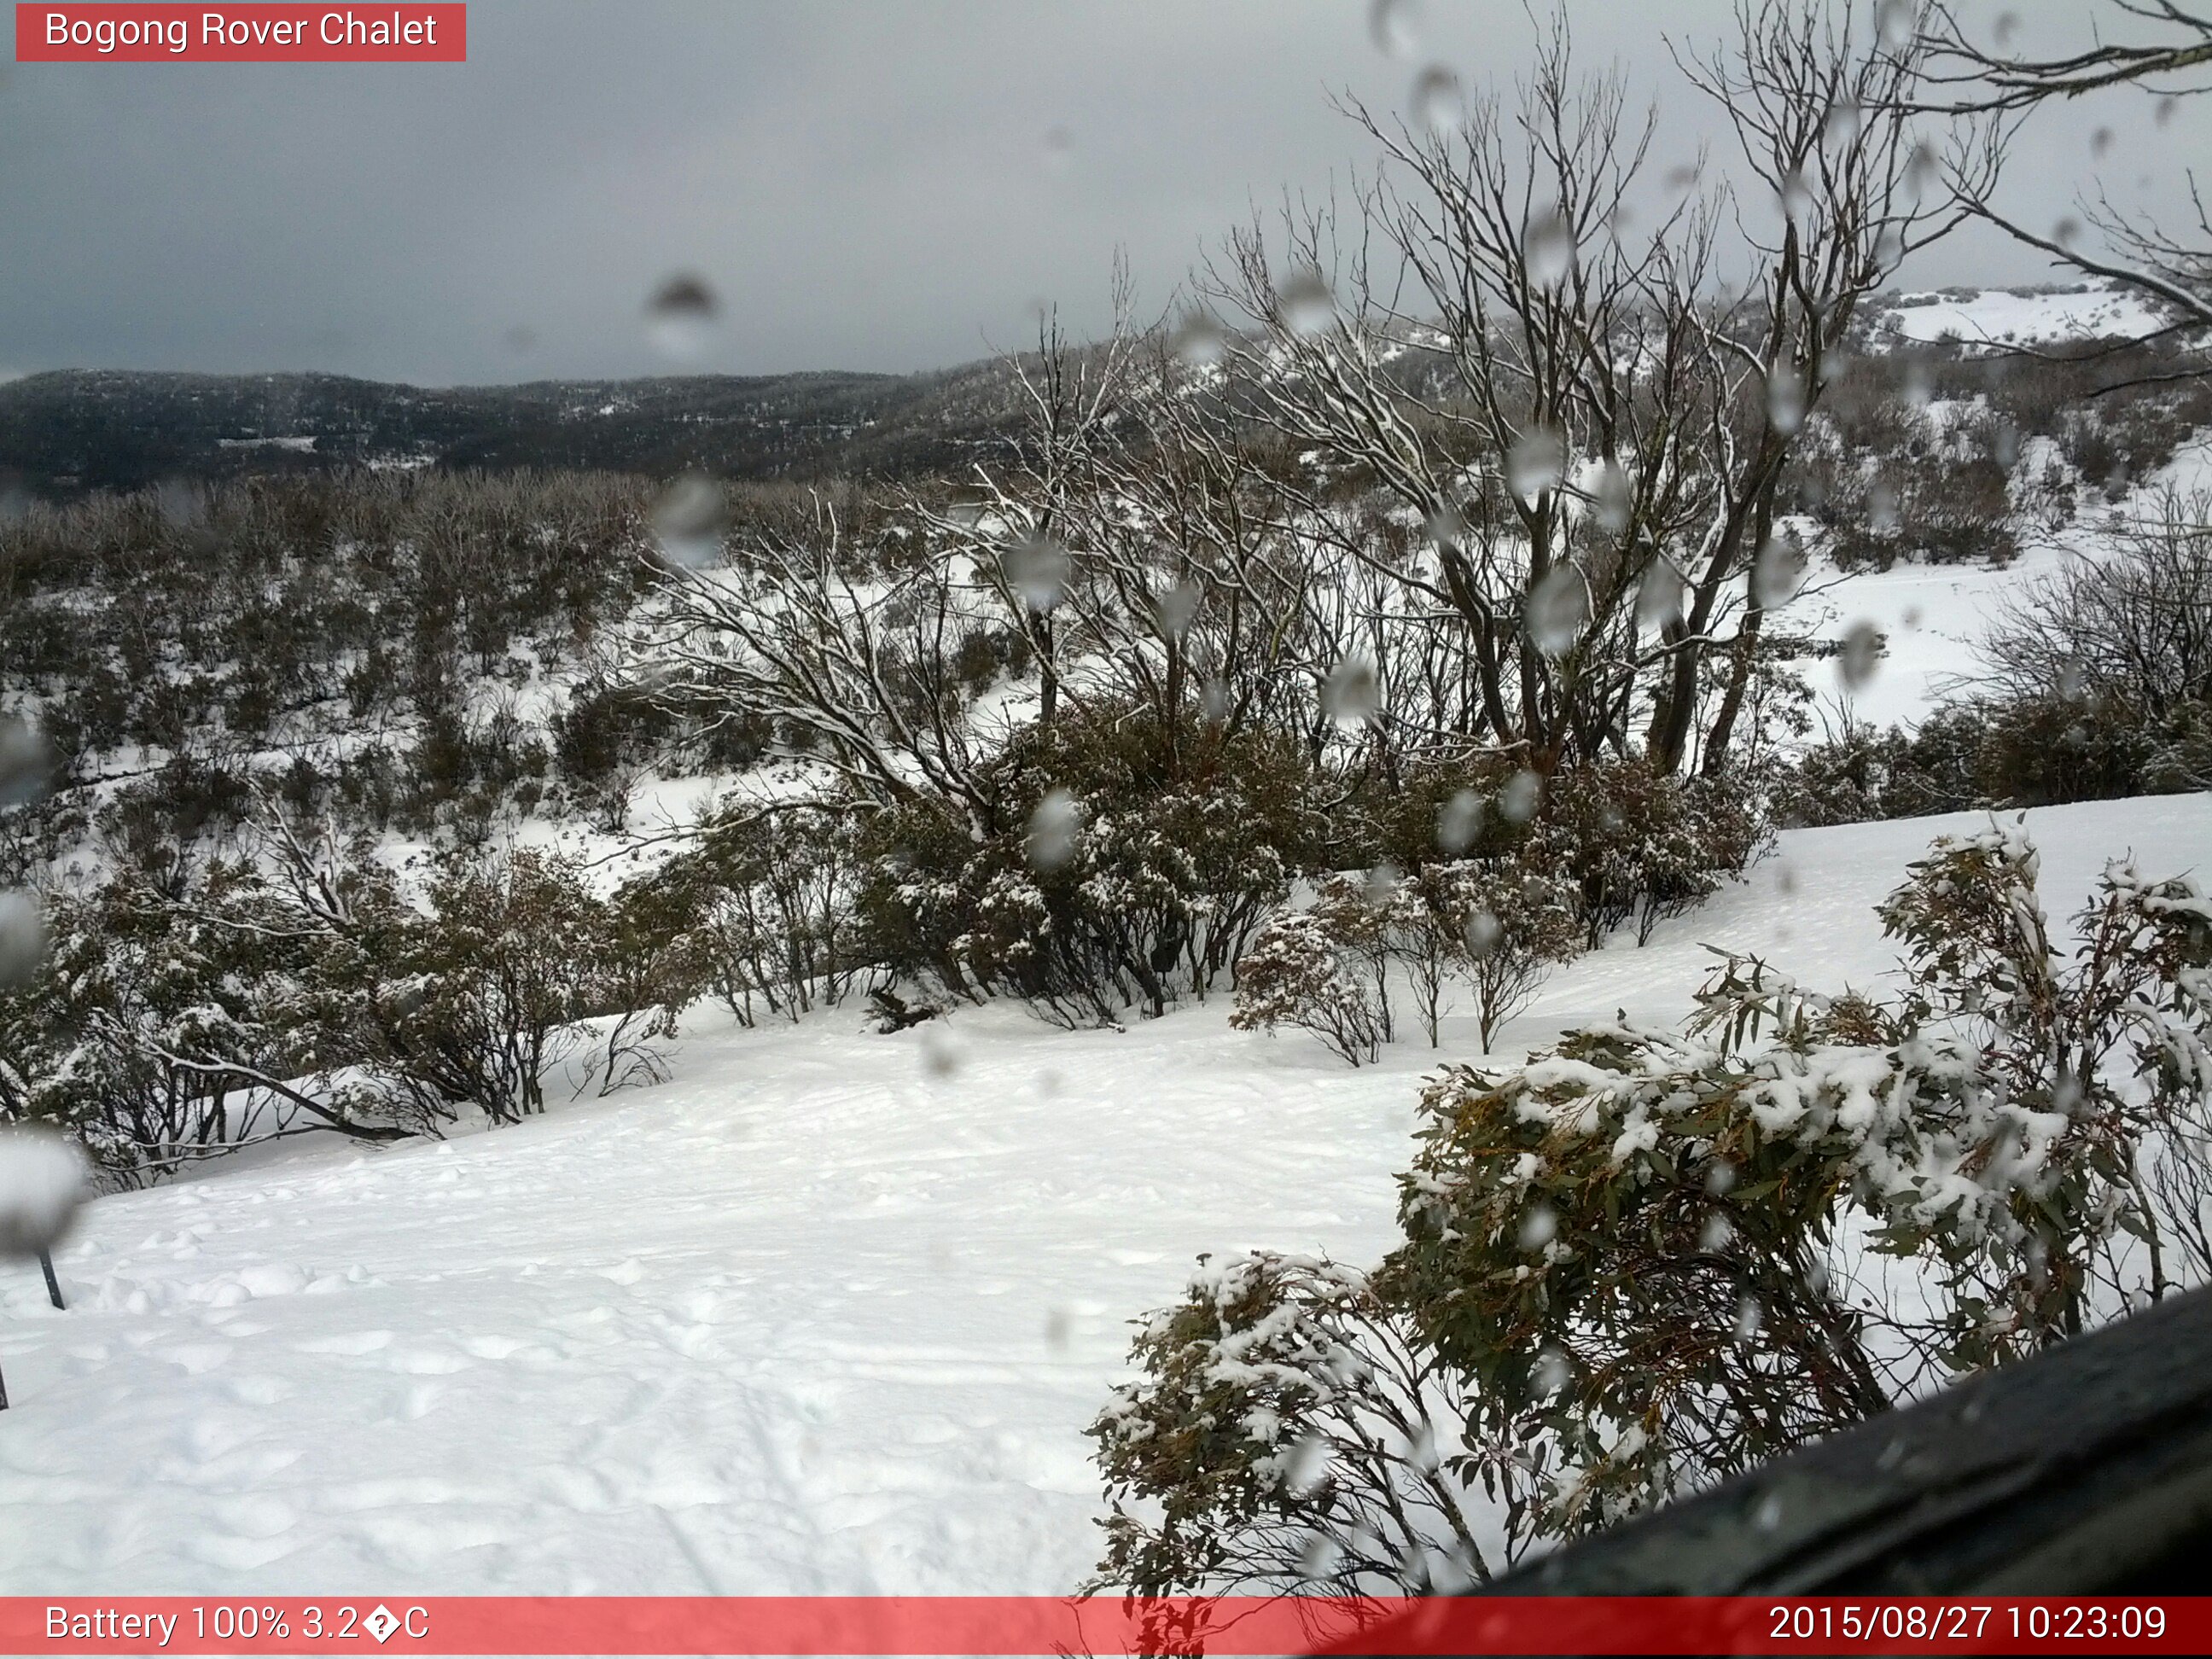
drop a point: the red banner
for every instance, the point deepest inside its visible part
(998, 1626)
(80, 32)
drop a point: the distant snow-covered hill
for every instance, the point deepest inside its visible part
(2017, 316)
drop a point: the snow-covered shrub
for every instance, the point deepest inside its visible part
(159, 1035)
(2099, 674)
(1644, 846)
(1280, 1441)
(1509, 924)
(474, 1001)
(1862, 775)
(1182, 843)
(1637, 843)
(1645, 1258)
(603, 741)
(1323, 969)
(648, 962)
(766, 903)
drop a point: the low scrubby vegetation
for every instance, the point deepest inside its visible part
(2094, 683)
(1645, 1258)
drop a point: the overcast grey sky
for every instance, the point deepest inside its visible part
(868, 185)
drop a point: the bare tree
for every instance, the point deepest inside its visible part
(848, 653)
(2131, 628)
(1589, 420)
(1972, 76)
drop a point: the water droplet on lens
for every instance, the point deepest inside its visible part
(1053, 829)
(688, 521)
(2067, 231)
(1895, 23)
(1059, 150)
(2163, 114)
(941, 1054)
(1319, 1555)
(1749, 1316)
(1768, 1515)
(1518, 801)
(1036, 568)
(1552, 1372)
(1539, 1227)
(1438, 104)
(1785, 398)
(1839, 127)
(1778, 573)
(1547, 245)
(26, 765)
(1861, 655)
(1351, 695)
(1659, 595)
(1614, 498)
(1536, 462)
(1881, 508)
(1381, 886)
(2071, 680)
(2008, 25)
(1796, 198)
(1213, 700)
(1921, 167)
(2100, 142)
(680, 318)
(22, 938)
(2004, 445)
(1716, 1234)
(1459, 821)
(1558, 608)
(1484, 934)
(1394, 28)
(1305, 304)
(1056, 1330)
(1178, 609)
(1911, 618)
(1308, 1465)
(1446, 530)
(42, 1182)
(1720, 1176)
(182, 502)
(1200, 340)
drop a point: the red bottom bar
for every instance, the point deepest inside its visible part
(997, 1625)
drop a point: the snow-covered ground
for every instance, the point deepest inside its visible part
(2002, 316)
(1932, 617)
(827, 1313)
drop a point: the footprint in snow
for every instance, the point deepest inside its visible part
(259, 1390)
(427, 1362)
(196, 1357)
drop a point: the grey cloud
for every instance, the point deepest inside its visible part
(868, 185)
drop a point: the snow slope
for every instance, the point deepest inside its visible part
(827, 1314)
(2020, 316)
(1932, 617)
